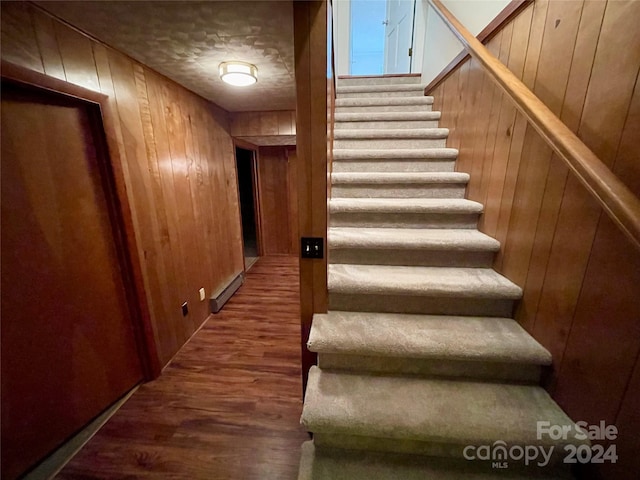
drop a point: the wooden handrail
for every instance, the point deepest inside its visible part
(618, 201)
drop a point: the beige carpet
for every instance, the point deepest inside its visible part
(419, 356)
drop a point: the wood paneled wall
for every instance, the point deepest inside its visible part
(579, 273)
(310, 34)
(277, 174)
(178, 163)
(250, 124)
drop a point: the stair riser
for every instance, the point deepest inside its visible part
(378, 81)
(396, 445)
(324, 463)
(375, 89)
(505, 372)
(387, 124)
(480, 307)
(386, 165)
(398, 191)
(384, 108)
(403, 220)
(385, 94)
(389, 143)
(414, 257)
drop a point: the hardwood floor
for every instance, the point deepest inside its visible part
(227, 407)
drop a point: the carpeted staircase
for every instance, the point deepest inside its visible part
(418, 355)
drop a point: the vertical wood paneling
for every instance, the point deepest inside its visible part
(275, 203)
(552, 74)
(579, 214)
(496, 122)
(19, 44)
(438, 94)
(443, 103)
(486, 113)
(612, 93)
(458, 103)
(292, 180)
(195, 176)
(310, 39)
(177, 162)
(511, 46)
(589, 372)
(248, 124)
(287, 122)
(517, 134)
(578, 272)
(125, 95)
(469, 112)
(627, 165)
(48, 45)
(499, 213)
(582, 61)
(536, 33)
(77, 57)
(165, 262)
(628, 422)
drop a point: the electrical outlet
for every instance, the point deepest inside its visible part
(202, 294)
(185, 309)
(312, 247)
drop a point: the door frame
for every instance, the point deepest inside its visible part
(257, 201)
(114, 184)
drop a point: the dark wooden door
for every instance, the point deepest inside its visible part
(68, 346)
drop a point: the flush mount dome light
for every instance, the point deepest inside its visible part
(239, 74)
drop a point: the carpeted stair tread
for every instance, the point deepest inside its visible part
(385, 116)
(391, 133)
(429, 410)
(408, 153)
(405, 205)
(444, 337)
(455, 282)
(322, 463)
(398, 177)
(419, 355)
(391, 87)
(427, 239)
(433, 247)
(383, 102)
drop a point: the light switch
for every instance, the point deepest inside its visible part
(202, 294)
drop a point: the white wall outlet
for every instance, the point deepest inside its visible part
(202, 294)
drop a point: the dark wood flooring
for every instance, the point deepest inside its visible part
(227, 407)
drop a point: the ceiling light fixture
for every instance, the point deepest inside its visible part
(238, 74)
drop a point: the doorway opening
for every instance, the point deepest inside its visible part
(249, 205)
(381, 36)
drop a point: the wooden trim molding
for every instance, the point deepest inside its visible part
(132, 270)
(620, 203)
(242, 143)
(257, 203)
(509, 12)
(386, 75)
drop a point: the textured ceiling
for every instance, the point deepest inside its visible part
(186, 41)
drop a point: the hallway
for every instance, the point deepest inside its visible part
(228, 405)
